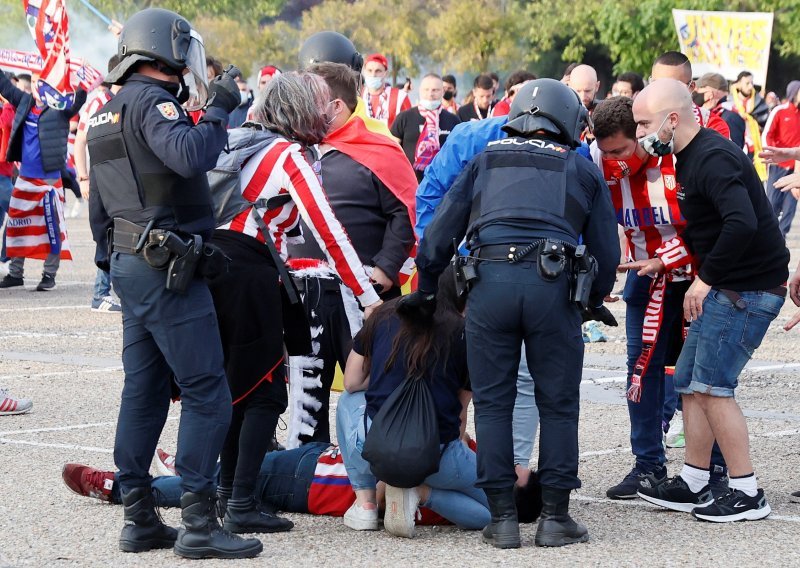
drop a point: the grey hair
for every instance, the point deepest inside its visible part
(293, 104)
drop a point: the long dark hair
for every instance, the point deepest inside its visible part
(424, 344)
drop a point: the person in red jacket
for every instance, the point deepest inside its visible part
(782, 130)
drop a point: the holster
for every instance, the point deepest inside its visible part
(184, 258)
(465, 273)
(584, 271)
(552, 259)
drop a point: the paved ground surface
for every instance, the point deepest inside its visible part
(54, 350)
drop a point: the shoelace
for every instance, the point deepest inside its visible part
(97, 479)
(725, 499)
(158, 497)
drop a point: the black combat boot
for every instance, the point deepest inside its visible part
(223, 494)
(556, 527)
(200, 535)
(143, 528)
(245, 516)
(503, 530)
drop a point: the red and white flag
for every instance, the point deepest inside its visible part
(81, 74)
(49, 25)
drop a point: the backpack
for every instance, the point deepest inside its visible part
(228, 201)
(225, 178)
(402, 445)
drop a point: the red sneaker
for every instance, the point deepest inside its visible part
(165, 463)
(87, 481)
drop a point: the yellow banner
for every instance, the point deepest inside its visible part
(726, 42)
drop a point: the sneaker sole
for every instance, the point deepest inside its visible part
(98, 310)
(360, 524)
(204, 552)
(16, 412)
(749, 515)
(395, 522)
(621, 497)
(672, 506)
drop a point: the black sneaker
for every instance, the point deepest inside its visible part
(795, 497)
(9, 281)
(735, 505)
(718, 485)
(636, 480)
(48, 282)
(674, 494)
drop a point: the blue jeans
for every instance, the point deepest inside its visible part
(526, 415)
(783, 203)
(102, 285)
(647, 415)
(722, 340)
(453, 492)
(283, 481)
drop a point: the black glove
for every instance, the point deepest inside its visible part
(223, 91)
(601, 314)
(419, 306)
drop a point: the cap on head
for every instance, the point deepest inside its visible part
(330, 47)
(551, 106)
(377, 58)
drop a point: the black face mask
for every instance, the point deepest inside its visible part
(448, 95)
(183, 92)
(699, 98)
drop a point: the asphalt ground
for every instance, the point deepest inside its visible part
(66, 358)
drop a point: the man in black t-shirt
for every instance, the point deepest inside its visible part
(741, 264)
(482, 100)
(422, 130)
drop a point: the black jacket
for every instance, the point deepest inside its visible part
(53, 126)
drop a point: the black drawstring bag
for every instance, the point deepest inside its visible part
(402, 445)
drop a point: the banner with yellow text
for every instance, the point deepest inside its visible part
(726, 42)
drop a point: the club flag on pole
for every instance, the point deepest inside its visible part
(49, 25)
(81, 74)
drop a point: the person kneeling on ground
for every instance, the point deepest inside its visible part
(389, 350)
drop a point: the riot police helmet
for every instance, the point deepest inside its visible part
(550, 106)
(160, 35)
(331, 47)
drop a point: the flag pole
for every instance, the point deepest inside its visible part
(97, 12)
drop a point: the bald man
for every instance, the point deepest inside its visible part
(675, 65)
(738, 291)
(583, 81)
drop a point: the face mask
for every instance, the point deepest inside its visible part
(327, 117)
(373, 83)
(430, 105)
(245, 96)
(448, 95)
(654, 146)
(699, 98)
(182, 93)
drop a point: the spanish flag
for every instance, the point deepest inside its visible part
(368, 142)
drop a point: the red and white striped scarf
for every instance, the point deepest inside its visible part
(428, 143)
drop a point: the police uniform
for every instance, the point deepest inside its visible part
(149, 162)
(518, 191)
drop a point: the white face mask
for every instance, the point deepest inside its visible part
(373, 83)
(653, 145)
(245, 96)
(430, 105)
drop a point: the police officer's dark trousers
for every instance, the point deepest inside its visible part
(166, 334)
(509, 304)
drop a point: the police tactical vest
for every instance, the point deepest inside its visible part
(524, 181)
(133, 182)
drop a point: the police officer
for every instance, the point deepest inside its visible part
(331, 47)
(524, 204)
(148, 169)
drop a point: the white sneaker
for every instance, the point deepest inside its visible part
(165, 463)
(12, 405)
(675, 437)
(360, 519)
(401, 510)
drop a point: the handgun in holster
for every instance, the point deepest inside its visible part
(464, 271)
(584, 271)
(184, 256)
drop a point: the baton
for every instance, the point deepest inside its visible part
(97, 12)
